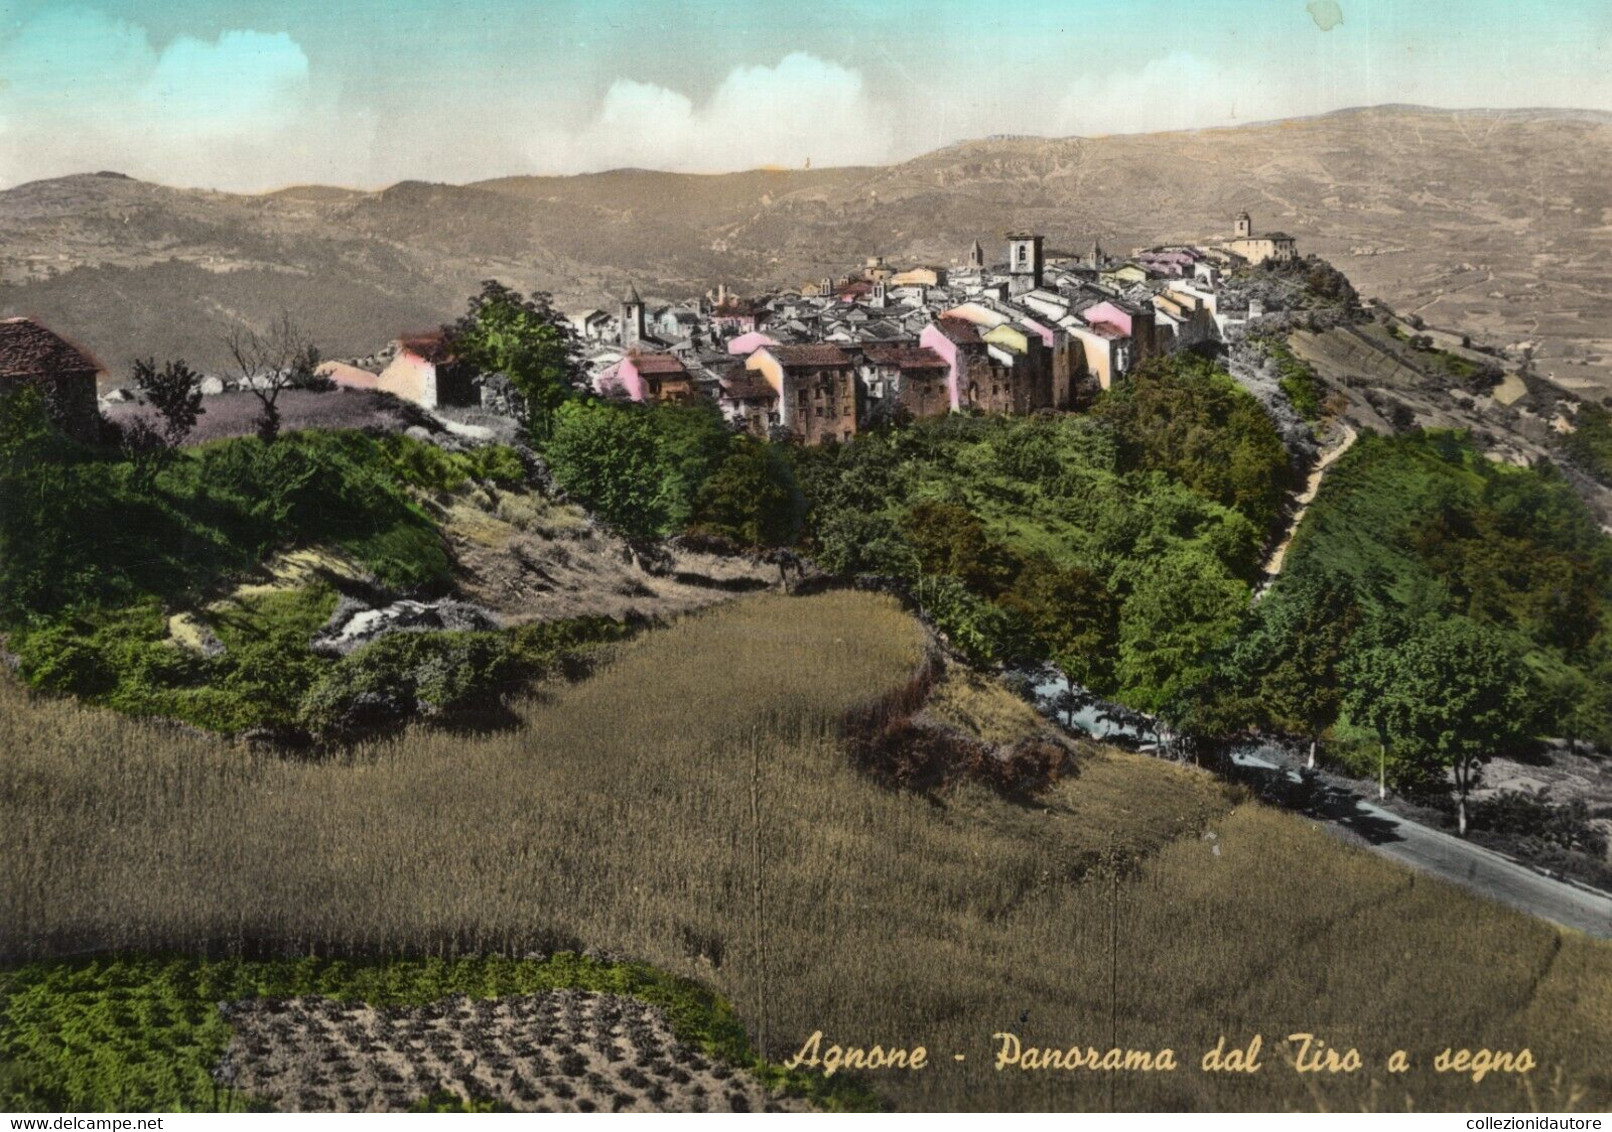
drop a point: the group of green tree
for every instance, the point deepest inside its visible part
(1436, 608)
(1589, 445)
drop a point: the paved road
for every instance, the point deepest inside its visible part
(1482, 870)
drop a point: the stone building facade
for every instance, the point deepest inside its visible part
(34, 357)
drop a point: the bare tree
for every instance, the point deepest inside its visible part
(282, 357)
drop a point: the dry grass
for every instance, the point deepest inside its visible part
(531, 559)
(632, 811)
(974, 703)
(235, 414)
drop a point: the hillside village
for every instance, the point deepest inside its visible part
(355, 575)
(826, 360)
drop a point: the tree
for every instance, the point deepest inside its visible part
(691, 442)
(606, 458)
(1184, 607)
(1303, 635)
(525, 339)
(1446, 695)
(174, 392)
(1371, 677)
(951, 541)
(752, 498)
(1184, 416)
(268, 363)
(1072, 617)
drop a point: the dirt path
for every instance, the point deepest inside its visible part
(1273, 565)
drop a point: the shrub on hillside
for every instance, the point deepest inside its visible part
(1185, 417)
(404, 675)
(1533, 817)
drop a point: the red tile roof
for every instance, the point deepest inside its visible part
(28, 349)
(904, 357)
(959, 330)
(658, 364)
(809, 357)
(746, 385)
(431, 346)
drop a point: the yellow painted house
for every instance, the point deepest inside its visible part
(1124, 275)
(1008, 336)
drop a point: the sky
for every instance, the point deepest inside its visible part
(252, 95)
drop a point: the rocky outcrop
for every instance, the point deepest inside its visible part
(355, 624)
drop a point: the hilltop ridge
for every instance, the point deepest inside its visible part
(1492, 221)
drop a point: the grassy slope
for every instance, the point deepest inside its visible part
(1388, 491)
(622, 817)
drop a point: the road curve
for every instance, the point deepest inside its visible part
(1473, 867)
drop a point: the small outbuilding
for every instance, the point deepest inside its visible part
(32, 356)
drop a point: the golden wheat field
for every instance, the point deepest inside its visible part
(691, 806)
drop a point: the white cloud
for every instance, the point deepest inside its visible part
(805, 108)
(244, 82)
(83, 91)
(1180, 91)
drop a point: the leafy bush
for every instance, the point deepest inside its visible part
(639, 468)
(1534, 817)
(403, 675)
(124, 659)
(430, 468)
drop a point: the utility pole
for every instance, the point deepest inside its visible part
(760, 892)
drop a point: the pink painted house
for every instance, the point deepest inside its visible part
(953, 339)
(1115, 317)
(746, 344)
(425, 371)
(646, 377)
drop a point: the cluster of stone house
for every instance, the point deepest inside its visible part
(823, 361)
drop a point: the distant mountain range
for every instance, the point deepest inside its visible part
(1497, 222)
